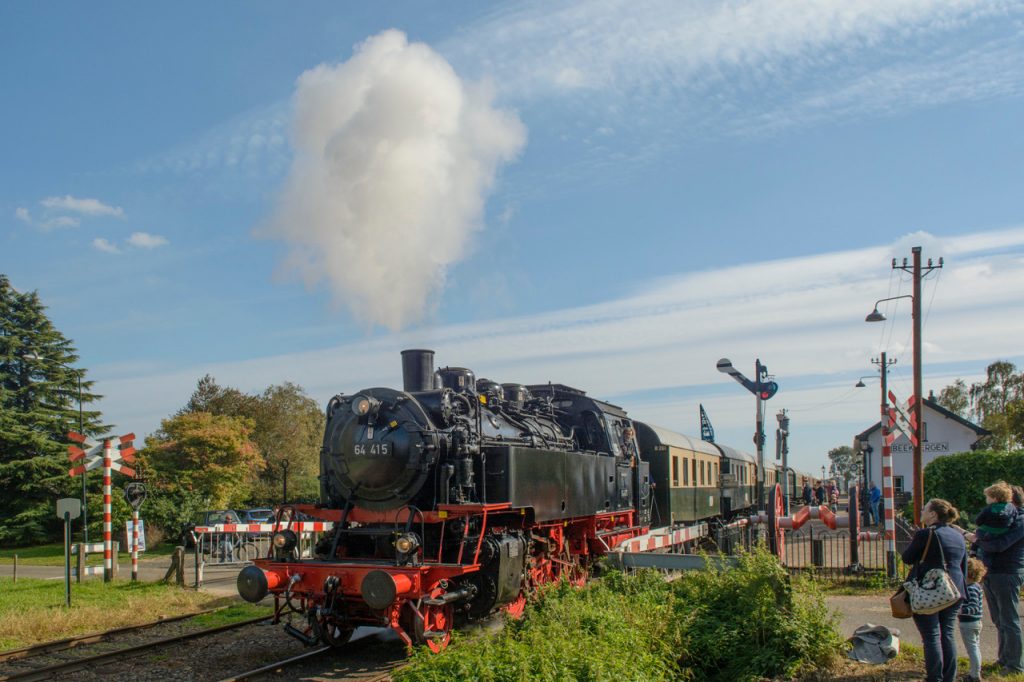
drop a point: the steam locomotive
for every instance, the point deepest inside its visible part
(458, 497)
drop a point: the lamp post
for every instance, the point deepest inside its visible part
(81, 429)
(917, 272)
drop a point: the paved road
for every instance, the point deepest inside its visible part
(216, 579)
(858, 610)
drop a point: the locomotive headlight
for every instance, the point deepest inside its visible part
(407, 543)
(284, 541)
(362, 406)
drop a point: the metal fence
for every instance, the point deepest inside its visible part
(222, 548)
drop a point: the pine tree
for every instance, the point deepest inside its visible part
(39, 392)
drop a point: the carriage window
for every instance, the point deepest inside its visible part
(675, 470)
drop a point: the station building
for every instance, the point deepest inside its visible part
(944, 433)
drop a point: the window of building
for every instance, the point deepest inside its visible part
(924, 431)
(675, 471)
(686, 471)
(702, 472)
(693, 473)
(897, 484)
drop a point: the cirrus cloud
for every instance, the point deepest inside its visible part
(144, 240)
(91, 207)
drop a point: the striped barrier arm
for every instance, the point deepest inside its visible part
(300, 526)
(663, 537)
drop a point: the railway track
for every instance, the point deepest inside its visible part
(367, 658)
(46, 672)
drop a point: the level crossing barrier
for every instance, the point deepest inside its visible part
(228, 544)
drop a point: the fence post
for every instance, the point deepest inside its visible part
(179, 560)
(15, 568)
(81, 562)
(198, 550)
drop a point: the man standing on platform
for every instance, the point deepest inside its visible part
(874, 499)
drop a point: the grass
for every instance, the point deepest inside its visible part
(53, 555)
(33, 611)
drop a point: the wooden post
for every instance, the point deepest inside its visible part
(81, 562)
(179, 560)
(116, 547)
(15, 568)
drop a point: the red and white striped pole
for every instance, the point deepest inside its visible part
(134, 545)
(108, 565)
(888, 499)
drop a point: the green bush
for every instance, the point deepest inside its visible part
(744, 623)
(961, 478)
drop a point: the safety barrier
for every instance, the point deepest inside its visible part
(226, 544)
(83, 550)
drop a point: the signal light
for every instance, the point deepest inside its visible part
(767, 389)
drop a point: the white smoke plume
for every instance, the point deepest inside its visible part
(394, 157)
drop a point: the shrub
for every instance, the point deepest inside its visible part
(961, 478)
(738, 624)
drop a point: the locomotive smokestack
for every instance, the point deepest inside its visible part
(417, 370)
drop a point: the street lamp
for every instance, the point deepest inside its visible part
(875, 316)
(860, 382)
(81, 429)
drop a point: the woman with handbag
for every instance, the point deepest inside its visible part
(937, 546)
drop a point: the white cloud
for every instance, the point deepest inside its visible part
(91, 207)
(537, 46)
(59, 222)
(655, 352)
(22, 214)
(144, 240)
(105, 246)
(395, 156)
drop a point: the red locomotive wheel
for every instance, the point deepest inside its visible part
(776, 534)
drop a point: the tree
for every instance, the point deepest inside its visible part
(287, 425)
(991, 400)
(203, 454)
(845, 463)
(39, 388)
(956, 398)
(997, 403)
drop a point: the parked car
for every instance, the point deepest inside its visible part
(207, 518)
(261, 515)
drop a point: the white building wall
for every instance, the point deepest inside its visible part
(943, 436)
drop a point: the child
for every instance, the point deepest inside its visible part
(971, 610)
(999, 515)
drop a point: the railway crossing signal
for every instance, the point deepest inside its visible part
(94, 455)
(902, 419)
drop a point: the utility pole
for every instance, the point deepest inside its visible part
(918, 272)
(888, 498)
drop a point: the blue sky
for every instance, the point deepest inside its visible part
(628, 192)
